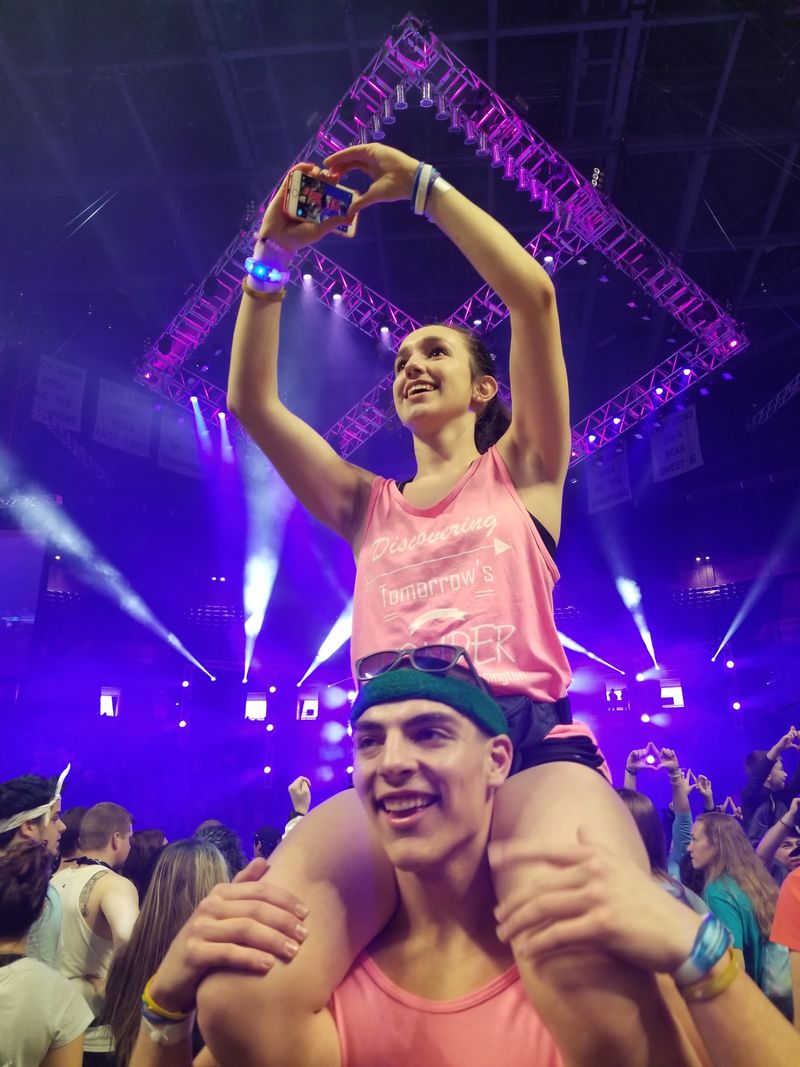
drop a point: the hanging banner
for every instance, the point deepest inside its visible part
(675, 447)
(124, 418)
(59, 393)
(607, 481)
(177, 445)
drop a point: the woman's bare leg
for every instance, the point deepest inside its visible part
(331, 863)
(599, 1010)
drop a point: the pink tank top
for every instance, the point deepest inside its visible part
(471, 571)
(379, 1023)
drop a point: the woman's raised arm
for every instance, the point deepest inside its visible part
(332, 489)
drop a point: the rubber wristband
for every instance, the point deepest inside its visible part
(415, 185)
(438, 187)
(712, 941)
(708, 988)
(422, 189)
(153, 1008)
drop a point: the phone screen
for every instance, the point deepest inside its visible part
(319, 200)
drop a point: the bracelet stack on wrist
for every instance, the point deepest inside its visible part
(710, 945)
(424, 180)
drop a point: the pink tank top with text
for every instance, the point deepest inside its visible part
(379, 1023)
(471, 571)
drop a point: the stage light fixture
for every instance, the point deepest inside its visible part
(442, 111)
(182, 723)
(483, 151)
(581, 261)
(736, 705)
(644, 717)
(426, 99)
(184, 684)
(497, 157)
(509, 170)
(387, 113)
(337, 297)
(375, 128)
(729, 664)
(273, 689)
(470, 133)
(270, 727)
(477, 322)
(616, 420)
(455, 121)
(268, 770)
(400, 102)
(659, 390)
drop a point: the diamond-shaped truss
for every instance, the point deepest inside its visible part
(581, 217)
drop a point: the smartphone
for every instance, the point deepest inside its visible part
(313, 199)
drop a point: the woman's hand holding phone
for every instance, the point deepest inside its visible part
(291, 234)
(391, 172)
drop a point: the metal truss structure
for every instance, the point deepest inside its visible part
(416, 62)
(782, 397)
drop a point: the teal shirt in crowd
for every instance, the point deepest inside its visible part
(728, 901)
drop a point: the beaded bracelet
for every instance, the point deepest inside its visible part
(708, 988)
(151, 1007)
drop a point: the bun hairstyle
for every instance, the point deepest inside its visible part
(494, 418)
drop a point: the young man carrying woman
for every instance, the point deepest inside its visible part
(501, 507)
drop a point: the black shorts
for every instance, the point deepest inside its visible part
(530, 721)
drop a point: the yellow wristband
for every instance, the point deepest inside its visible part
(273, 297)
(156, 1009)
(708, 988)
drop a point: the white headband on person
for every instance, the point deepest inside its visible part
(13, 822)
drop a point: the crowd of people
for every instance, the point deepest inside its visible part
(85, 928)
(482, 893)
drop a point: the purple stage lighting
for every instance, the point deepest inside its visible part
(631, 596)
(573, 646)
(184, 684)
(182, 723)
(644, 717)
(736, 705)
(729, 664)
(338, 634)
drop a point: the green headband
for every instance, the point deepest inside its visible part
(410, 684)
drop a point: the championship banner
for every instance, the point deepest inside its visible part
(178, 449)
(124, 418)
(59, 393)
(675, 447)
(607, 482)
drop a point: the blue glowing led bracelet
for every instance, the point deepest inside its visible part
(263, 272)
(710, 945)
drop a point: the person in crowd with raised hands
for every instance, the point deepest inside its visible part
(736, 885)
(768, 791)
(770, 843)
(661, 759)
(486, 481)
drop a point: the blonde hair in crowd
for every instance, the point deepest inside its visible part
(186, 872)
(734, 856)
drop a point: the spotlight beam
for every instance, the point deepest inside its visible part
(631, 596)
(336, 637)
(573, 646)
(766, 575)
(47, 522)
